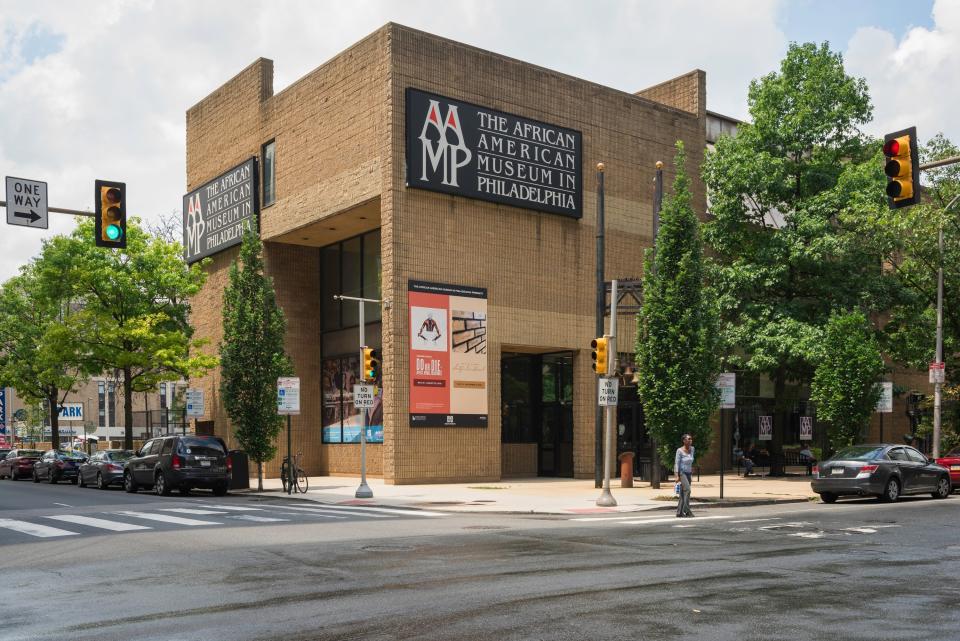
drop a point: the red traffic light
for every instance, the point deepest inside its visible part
(891, 147)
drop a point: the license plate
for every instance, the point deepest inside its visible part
(955, 468)
(837, 470)
(204, 463)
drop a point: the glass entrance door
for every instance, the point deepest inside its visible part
(555, 448)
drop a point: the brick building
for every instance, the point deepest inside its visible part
(352, 172)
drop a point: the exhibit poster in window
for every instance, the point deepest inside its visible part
(341, 420)
(332, 403)
(448, 355)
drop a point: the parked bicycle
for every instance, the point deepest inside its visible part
(299, 478)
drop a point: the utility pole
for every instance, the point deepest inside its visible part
(363, 491)
(601, 304)
(657, 204)
(606, 498)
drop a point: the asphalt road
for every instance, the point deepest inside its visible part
(854, 570)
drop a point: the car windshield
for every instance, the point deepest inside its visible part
(120, 456)
(200, 446)
(71, 454)
(861, 453)
(29, 453)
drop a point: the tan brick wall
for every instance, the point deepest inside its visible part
(539, 268)
(518, 460)
(686, 92)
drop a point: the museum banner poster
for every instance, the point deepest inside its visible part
(467, 150)
(216, 214)
(448, 355)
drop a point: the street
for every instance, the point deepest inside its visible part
(854, 570)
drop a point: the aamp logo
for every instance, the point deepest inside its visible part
(194, 225)
(450, 149)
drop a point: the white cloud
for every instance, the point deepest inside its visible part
(914, 80)
(110, 102)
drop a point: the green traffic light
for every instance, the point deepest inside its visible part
(113, 232)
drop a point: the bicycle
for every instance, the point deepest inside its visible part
(300, 482)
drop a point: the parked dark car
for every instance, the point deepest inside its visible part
(884, 471)
(104, 468)
(18, 464)
(58, 465)
(179, 462)
(3, 452)
(951, 461)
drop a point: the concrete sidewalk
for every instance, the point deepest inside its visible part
(546, 496)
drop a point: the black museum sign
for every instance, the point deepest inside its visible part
(463, 149)
(216, 214)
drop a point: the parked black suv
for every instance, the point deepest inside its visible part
(182, 462)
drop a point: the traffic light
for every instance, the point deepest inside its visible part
(371, 364)
(110, 223)
(599, 354)
(902, 168)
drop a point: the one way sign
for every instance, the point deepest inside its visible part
(26, 202)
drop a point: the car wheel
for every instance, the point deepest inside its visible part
(220, 490)
(892, 491)
(80, 480)
(100, 483)
(828, 497)
(51, 477)
(943, 488)
(36, 479)
(160, 485)
(129, 484)
(75, 480)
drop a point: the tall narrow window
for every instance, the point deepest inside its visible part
(101, 404)
(269, 173)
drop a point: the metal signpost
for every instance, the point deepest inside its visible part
(884, 403)
(288, 403)
(363, 491)
(607, 397)
(727, 386)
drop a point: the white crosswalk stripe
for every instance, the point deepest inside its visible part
(168, 518)
(103, 524)
(188, 510)
(231, 508)
(34, 529)
(283, 509)
(364, 509)
(256, 519)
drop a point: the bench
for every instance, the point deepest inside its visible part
(787, 459)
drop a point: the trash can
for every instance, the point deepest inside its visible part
(626, 469)
(240, 475)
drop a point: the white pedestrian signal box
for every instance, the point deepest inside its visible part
(195, 402)
(938, 373)
(26, 202)
(288, 395)
(364, 396)
(607, 395)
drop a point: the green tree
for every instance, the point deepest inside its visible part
(252, 355)
(677, 346)
(787, 250)
(38, 356)
(844, 387)
(135, 311)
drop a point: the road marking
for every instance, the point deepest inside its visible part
(611, 518)
(386, 510)
(33, 529)
(861, 530)
(775, 518)
(232, 508)
(63, 504)
(187, 510)
(807, 535)
(103, 524)
(167, 518)
(256, 519)
(310, 510)
(673, 519)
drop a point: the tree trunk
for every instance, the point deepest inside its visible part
(127, 410)
(260, 476)
(54, 418)
(779, 424)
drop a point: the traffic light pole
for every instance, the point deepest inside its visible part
(610, 411)
(601, 303)
(61, 210)
(363, 491)
(938, 386)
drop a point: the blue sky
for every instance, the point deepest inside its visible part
(165, 55)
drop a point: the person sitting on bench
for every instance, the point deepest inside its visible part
(747, 458)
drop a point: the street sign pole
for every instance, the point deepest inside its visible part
(606, 498)
(363, 491)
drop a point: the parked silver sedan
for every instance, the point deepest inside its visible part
(884, 471)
